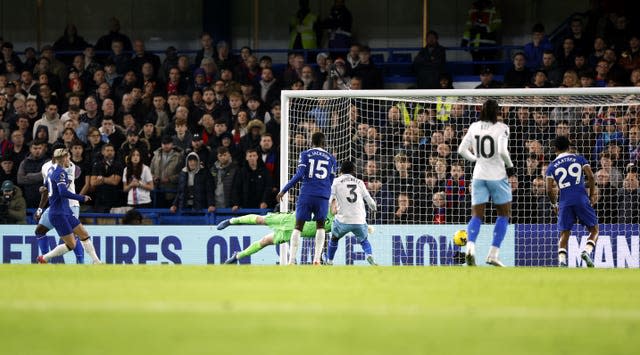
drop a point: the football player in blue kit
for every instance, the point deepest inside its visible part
(316, 169)
(568, 171)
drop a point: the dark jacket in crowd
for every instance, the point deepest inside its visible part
(195, 187)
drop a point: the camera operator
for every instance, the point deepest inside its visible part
(337, 79)
(13, 208)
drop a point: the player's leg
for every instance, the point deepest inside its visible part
(361, 233)
(43, 227)
(79, 249)
(251, 249)
(566, 217)
(321, 209)
(303, 213)
(479, 197)
(501, 196)
(82, 233)
(587, 216)
(337, 232)
(250, 219)
(65, 230)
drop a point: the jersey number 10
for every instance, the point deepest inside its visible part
(483, 149)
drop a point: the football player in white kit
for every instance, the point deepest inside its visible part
(42, 217)
(489, 140)
(348, 196)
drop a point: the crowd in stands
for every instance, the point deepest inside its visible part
(203, 132)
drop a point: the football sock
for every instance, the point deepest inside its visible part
(562, 255)
(333, 247)
(294, 243)
(473, 229)
(246, 219)
(320, 235)
(43, 244)
(471, 248)
(366, 247)
(251, 249)
(88, 247)
(500, 230)
(60, 249)
(79, 251)
(493, 252)
(589, 247)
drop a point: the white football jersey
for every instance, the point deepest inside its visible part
(351, 194)
(71, 173)
(489, 142)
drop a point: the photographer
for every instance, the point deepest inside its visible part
(12, 205)
(337, 79)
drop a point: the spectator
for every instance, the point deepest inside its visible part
(630, 58)
(106, 178)
(134, 141)
(520, 209)
(8, 169)
(481, 30)
(606, 198)
(549, 65)
(566, 54)
(20, 149)
(12, 205)
(581, 40)
(430, 63)
(606, 164)
(51, 121)
(517, 76)
(83, 162)
(633, 145)
(535, 49)
(203, 151)
(30, 175)
(223, 173)
(540, 203)
(539, 80)
(110, 133)
(104, 43)
(207, 50)
(70, 41)
(486, 80)
(253, 185)
(456, 193)
(142, 56)
(182, 136)
(151, 135)
(609, 133)
(440, 208)
(339, 26)
(272, 120)
(404, 210)
(137, 181)
(8, 55)
(56, 67)
(629, 197)
(303, 28)
(132, 217)
(251, 140)
(165, 168)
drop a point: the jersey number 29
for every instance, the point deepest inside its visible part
(574, 170)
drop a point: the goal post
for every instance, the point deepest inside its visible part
(404, 145)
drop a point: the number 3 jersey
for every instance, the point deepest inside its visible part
(351, 194)
(489, 142)
(566, 170)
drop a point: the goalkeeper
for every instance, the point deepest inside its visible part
(282, 225)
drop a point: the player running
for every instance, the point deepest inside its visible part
(489, 140)
(282, 225)
(60, 213)
(44, 225)
(316, 169)
(567, 170)
(348, 196)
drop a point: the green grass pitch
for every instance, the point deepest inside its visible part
(162, 309)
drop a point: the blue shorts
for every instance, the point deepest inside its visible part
(309, 205)
(498, 190)
(583, 212)
(64, 224)
(339, 230)
(44, 219)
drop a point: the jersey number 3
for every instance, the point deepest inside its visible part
(353, 197)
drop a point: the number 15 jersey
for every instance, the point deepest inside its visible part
(490, 146)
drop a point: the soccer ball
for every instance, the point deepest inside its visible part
(460, 238)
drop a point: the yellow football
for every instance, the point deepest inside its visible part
(460, 238)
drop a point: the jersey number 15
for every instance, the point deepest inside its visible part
(318, 169)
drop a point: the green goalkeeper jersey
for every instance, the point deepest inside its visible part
(283, 224)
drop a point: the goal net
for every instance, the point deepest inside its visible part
(404, 143)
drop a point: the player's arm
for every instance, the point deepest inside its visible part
(463, 148)
(551, 192)
(62, 189)
(367, 197)
(591, 183)
(333, 204)
(302, 168)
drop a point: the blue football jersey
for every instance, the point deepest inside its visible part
(316, 169)
(59, 195)
(566, 170)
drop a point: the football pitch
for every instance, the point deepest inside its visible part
(162, 309)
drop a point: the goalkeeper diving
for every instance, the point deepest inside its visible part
(282, 225)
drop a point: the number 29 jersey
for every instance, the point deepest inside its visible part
(488, 139)
(566, 170)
